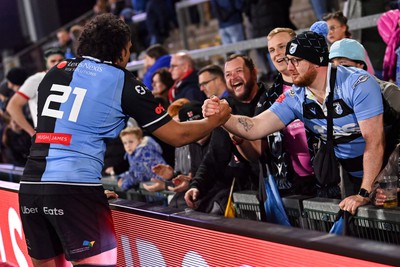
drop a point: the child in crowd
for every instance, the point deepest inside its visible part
(142, 153)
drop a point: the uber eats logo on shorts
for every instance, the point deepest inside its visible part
(46, 210)
(53, 211)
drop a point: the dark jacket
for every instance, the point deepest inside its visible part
(265, 15)
(228, 12)
(15, 147)
(157, 20)
(189, 88)
(287, 180)
(222, 162)
(114, 156)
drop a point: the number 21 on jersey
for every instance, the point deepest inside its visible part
(66, 93)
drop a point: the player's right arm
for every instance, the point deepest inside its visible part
(181, 133)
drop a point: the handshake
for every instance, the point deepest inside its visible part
(214, 106)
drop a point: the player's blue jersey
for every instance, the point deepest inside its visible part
(81, 103)
(357, 96)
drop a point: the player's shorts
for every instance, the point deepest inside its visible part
(71, 219)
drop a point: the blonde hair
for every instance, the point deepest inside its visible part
(135, 130)
(275, 31)
(175, 106)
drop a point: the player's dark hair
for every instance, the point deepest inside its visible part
(104, 38)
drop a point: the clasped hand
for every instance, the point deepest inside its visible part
(215, 106)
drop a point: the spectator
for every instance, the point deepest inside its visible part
(65, 161)
(368, 36)
(65, 42)
(5, 94)
(137, 32)
(264, 17)
(157, 21)
(209, 189)
(74, 32)
(161, 81)
(115, 162)
(389, 30)
(337, 25)
(116, 6)
(101, 7)
(289, 150)
(212, 81)
(156, 57)
(186, 82)
(15, 78)
(28, 93)
(15, 143)
(142, 153)
(338, 29)
(321, 7)
(139, 5)
(349, 52)
(230, 20)
(320, 27)
(361, 155)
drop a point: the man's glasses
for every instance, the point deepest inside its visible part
(207, 82)
(294, 61)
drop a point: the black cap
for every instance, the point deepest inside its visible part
(53, 51)
(17, 76)
(310, 46)
(191, 111)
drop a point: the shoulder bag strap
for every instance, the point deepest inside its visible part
(330, 105)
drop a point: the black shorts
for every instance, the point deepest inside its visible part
(70, 219)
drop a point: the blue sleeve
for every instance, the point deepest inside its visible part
(283, 107)
(367, 96)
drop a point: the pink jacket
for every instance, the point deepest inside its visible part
(388, 27)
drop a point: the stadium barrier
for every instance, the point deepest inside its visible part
(149, 235)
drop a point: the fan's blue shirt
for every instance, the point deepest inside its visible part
(82, 103)
(357, 97)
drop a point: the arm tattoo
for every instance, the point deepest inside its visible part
(246, 122)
